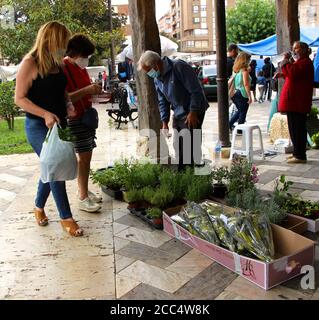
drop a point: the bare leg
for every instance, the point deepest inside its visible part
(84, 160)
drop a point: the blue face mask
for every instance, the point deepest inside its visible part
(153, 73)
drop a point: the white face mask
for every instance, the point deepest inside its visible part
(82, 62)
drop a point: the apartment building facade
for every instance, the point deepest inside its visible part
(309, 13)
(121, 8)
(193, 24)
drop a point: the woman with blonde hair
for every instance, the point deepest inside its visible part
(41, 93)
(242, 81)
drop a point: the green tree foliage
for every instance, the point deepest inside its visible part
(89, 17)
(8, 109)
(251, 20)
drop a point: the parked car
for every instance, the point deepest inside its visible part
(207, 76)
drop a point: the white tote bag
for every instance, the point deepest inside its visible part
(57, 158)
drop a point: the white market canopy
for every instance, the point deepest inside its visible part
(168, 47)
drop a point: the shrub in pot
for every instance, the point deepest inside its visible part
(109, 182)
(142, 175)
(134, 198)
(155, 214)
(172, 180)
(162, 197)
(220, 176)
(199, 188)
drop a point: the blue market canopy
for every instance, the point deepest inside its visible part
(268, 46)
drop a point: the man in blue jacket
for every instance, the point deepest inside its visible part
(179, 89)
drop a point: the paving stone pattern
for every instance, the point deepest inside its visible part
(120, 256)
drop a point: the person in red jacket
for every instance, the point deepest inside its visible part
(296, 97)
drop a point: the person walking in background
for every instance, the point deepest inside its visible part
(100, 77)
(177, 86)
(41, 93)
(242, 98)
(232, 53)
(296, 97)
(269, 71)
(104, 80)
(252, 73)
(261, 83)
(79, 86)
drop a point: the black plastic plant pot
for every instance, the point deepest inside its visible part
(219, 190)
(116, 194)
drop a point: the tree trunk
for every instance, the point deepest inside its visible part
(145, 36)
(12, 122)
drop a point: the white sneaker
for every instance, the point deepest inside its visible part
(88, 205)
(94, 197)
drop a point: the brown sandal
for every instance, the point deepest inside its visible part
(41, 217)
(71, 227)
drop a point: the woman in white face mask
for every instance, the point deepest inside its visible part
(80, 89)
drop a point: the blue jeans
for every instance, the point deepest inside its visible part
(242, 108)
(36, 131)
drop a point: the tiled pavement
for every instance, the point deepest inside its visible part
(120, 257)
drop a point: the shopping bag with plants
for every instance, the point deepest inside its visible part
(57, 158)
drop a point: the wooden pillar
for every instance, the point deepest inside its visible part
(222, 84)
(287, 28)
(145, 36)
(287, 24)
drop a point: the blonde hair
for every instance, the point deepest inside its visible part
(51, 41)
(241, 62)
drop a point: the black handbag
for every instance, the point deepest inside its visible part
(90, 117)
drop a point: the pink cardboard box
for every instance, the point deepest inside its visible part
(312, 225)
(292, 251)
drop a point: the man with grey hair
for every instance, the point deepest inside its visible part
(178, 87)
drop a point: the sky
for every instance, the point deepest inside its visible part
(162, 6)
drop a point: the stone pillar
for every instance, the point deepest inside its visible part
(145, 36)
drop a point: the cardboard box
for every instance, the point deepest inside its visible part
(292, 252)
(295, 224)
(312, 225)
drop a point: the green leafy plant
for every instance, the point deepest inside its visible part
(143, 175)
(122, 170)
(220, 175)
(162, 197)
(251, 20)
(199, 188)
(134, 195)
(66, 134)
(315, 140)
(242, 176)
(154, 213)
(8, 109)
(107, 178)
(172, 180)
(314, 112)
(148, 194)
